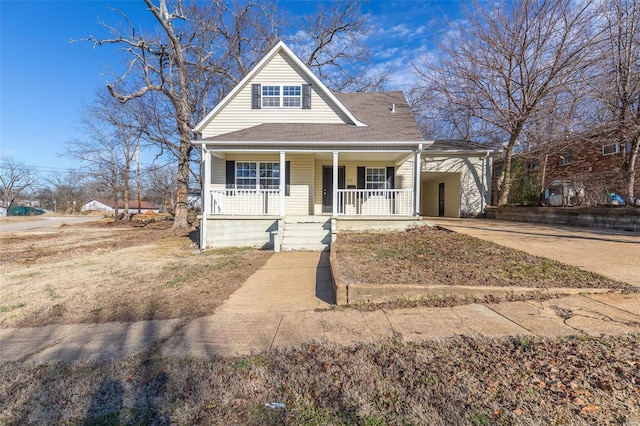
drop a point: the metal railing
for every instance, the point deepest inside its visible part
(375, 202)
(250, 202)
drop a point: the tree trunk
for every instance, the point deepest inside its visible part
(116, 213)
(504, 181)
(180, 220)
(631, 177)
(125, 193)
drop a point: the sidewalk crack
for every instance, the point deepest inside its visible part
(276, 332)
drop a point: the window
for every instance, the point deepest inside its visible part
(533, 166)
(612, 148)
(566, 158)
(291, 96)
(281, 96)
(245, 175)
(269, 175)
(251, 175)
(270, 96)
(628, 147)
(376, 178)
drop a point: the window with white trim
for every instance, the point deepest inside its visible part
(270, 96)
(257, 175)
(376, 178)
(566, 158)
(291, 96)
(612, 148)
(282, 96)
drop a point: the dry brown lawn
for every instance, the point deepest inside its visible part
(432, 256)
(99, 272)
(460, 381)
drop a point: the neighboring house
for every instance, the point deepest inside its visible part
(287, 163)
(578, 171)
(108, 206)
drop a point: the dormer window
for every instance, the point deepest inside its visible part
(270, 96)
(291, 96)
(281, 96)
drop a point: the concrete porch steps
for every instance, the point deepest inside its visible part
(306, 233)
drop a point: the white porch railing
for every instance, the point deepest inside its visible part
(250, 202)
(375, 202)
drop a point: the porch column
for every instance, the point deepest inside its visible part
(335, 184)
(205, 195)
(416, 184)
(283, 180)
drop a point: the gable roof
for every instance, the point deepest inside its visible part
(373, 108)
(280, 47)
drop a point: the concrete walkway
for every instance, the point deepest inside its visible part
(288, 302)
(615, 254)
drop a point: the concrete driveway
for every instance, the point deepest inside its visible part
(44, 222)
(614, 254)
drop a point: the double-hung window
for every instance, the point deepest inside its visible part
(257, 175)
(270, 96)
(292, 96)
(612, 148)
(376, 178)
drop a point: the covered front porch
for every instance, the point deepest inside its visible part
(352, 181)
(270, 185)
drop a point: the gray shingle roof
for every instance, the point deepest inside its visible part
(456, 145)
(372, 108)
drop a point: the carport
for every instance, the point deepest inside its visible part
(454, 179)
(440, 194)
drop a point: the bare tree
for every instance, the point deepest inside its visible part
(198, 53)
(618, 89)
(161, 187)
(61, 190)
(16, 178)
(331, 41)
(498, 67)
(108, 151)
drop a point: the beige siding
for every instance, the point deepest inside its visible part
(429, 195)
(237, 114)
(301, 185)
(404, 175)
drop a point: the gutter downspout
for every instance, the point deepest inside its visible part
(484, 184)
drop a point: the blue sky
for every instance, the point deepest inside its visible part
(45, 80)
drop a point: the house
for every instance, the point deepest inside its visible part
(107, 206)
(576, 171)
(287, 163)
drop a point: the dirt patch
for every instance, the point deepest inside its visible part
(581, 381)
(432, 256)
(101, 272)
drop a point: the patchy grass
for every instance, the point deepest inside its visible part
(524, 380)
(432, 256)
(99, 272)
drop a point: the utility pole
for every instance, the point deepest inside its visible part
(138, 167)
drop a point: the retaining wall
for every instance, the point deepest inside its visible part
(621, 218)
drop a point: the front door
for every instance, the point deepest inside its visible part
(327, 186)
(441, 199)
